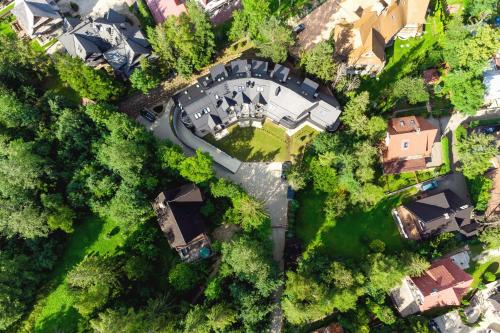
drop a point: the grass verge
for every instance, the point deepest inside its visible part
(54, 310)
(445, 151)
(349, 236)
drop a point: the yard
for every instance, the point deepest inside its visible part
(348, 237)
(477, 270)
(394, 182)
(269, 143)
(406, 58)
(53, 311)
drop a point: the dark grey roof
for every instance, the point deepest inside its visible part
(239, 67)
(259, 67)
(242, 98)
(309, 87)
(291, 104)
(113, 16)
(121, 44)
(280, 73)
(444, 211)
(259, 99)
(218, 72)
(180, 220)
(70, 23)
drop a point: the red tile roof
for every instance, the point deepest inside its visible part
(161, 9)
(443, 284)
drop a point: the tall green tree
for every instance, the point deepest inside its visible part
(185, 43)
(476, 152)
(412, 89)
(248, 20)
(318, 61)
(358, 122)
(274, 40)
(466, 91)
(14, 113)
(482, 9)
(93, 282)
(197, 168)
(86, 81)
(145, 77)
(491, 237)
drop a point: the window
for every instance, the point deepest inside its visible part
(405, 144)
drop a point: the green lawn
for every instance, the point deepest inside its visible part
(54, 311)
(394, 182)
(349, 237)
(300, 140)
(269, 143)
(477, 270)
(6, 9)
(405, 57)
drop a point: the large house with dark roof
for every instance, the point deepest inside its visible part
(36, 18)
(107, 40)
(443, 284)
(179, 217)
(251, 90)
(429, 216)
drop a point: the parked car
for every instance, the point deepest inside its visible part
(429, 186)
(148, 115)
(284, 168)
(299, 28)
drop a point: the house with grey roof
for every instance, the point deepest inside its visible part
(245, 90)
(108, 40)
(36, 18)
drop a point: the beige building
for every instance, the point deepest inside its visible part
(366, 27)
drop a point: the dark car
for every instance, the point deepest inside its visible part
(149, 116)
(299, 28)
(284, 168)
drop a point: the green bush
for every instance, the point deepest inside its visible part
(445, 146)
(144, 15)
(460, 133)
(479, 189)
(489, 277)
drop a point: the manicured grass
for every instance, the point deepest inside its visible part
(254, 144)
(300, 140)
(42, 48)
(54, 311)
(477, 270)
(445, 151)
(394, 182)
(349, 236)
(405, 58)
(6, 9)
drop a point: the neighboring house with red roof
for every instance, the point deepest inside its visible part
(443, 284)
(408, 144)
(218, 10)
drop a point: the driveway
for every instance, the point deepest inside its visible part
(454, 182)
(319, 25)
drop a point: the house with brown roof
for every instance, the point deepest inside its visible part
(179, 217)
(434, 214)
(443, 284)
(408, 144)
(367, 27)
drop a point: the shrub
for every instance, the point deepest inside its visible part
(460, 133)
(377, 246)
(479, 188)
(489, 277)
(74, 6)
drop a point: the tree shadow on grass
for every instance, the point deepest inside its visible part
(64, 321)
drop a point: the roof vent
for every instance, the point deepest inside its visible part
(446, 216)
(464, 206)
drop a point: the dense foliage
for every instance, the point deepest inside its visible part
(185, 43)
